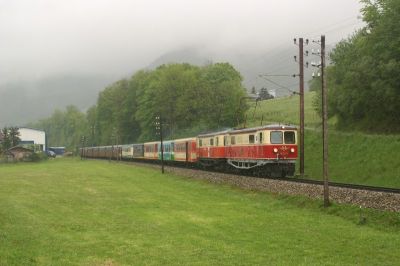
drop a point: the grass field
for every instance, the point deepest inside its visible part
(353, 156)
(72, 212)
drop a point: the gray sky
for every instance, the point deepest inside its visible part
(39, 38)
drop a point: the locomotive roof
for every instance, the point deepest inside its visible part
(215, 133)
(250, 129)
(267, 127)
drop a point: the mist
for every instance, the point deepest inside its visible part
(102, 41)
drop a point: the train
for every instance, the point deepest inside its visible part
(265, 151)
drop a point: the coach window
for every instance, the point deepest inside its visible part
(251, 139)
(211, 141)
(200, 142)
(289, 137)
(216, 141)
(233, 140)
(276, 137)
(260, 137)
(225, 140)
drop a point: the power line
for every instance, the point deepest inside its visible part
(278, 85)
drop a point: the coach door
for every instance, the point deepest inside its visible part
(186, 151)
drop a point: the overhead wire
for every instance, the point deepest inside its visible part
(283, 64)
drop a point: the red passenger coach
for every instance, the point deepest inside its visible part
(185, 150)
(151, 150)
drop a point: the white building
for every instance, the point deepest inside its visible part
(33, 136)
(272, 92)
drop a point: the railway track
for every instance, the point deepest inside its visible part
(296, 179)
(343, 185)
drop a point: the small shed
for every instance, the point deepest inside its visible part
(19, 153)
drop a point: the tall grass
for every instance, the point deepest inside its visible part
(72, 212)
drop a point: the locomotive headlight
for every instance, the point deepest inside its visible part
(292, 150)
(275, 150)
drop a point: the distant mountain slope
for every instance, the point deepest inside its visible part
(24, 102)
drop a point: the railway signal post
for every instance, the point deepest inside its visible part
(159, 131)
(83, 139)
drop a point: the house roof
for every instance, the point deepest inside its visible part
(18, 148)
(31, 129)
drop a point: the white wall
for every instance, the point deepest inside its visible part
(37, 136)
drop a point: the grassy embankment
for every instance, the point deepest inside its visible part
(354, 157)
(72, 212)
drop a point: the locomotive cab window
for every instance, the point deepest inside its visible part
(290, 137)
(251, 139)
(276, 137)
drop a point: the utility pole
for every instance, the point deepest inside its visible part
(301, 93)
(301, 65)
(324, 94)
(159, 131)
(324, 123)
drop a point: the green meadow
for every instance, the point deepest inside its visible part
(73, 212)
(354, 157)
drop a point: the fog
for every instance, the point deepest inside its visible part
(41, 39)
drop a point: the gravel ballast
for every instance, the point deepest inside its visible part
(362, 198)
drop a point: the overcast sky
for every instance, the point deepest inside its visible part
(39, 38)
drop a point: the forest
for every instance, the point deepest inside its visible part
(364, 76)
(190, 99)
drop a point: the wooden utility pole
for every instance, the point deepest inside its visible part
(324, 124)
(301, 92)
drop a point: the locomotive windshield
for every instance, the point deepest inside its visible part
(290, 137)
(277, 137)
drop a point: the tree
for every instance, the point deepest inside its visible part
(365, 74)
(6, 143)
(65, 128)
(189, 98)
(264, 94)
(14, 136)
